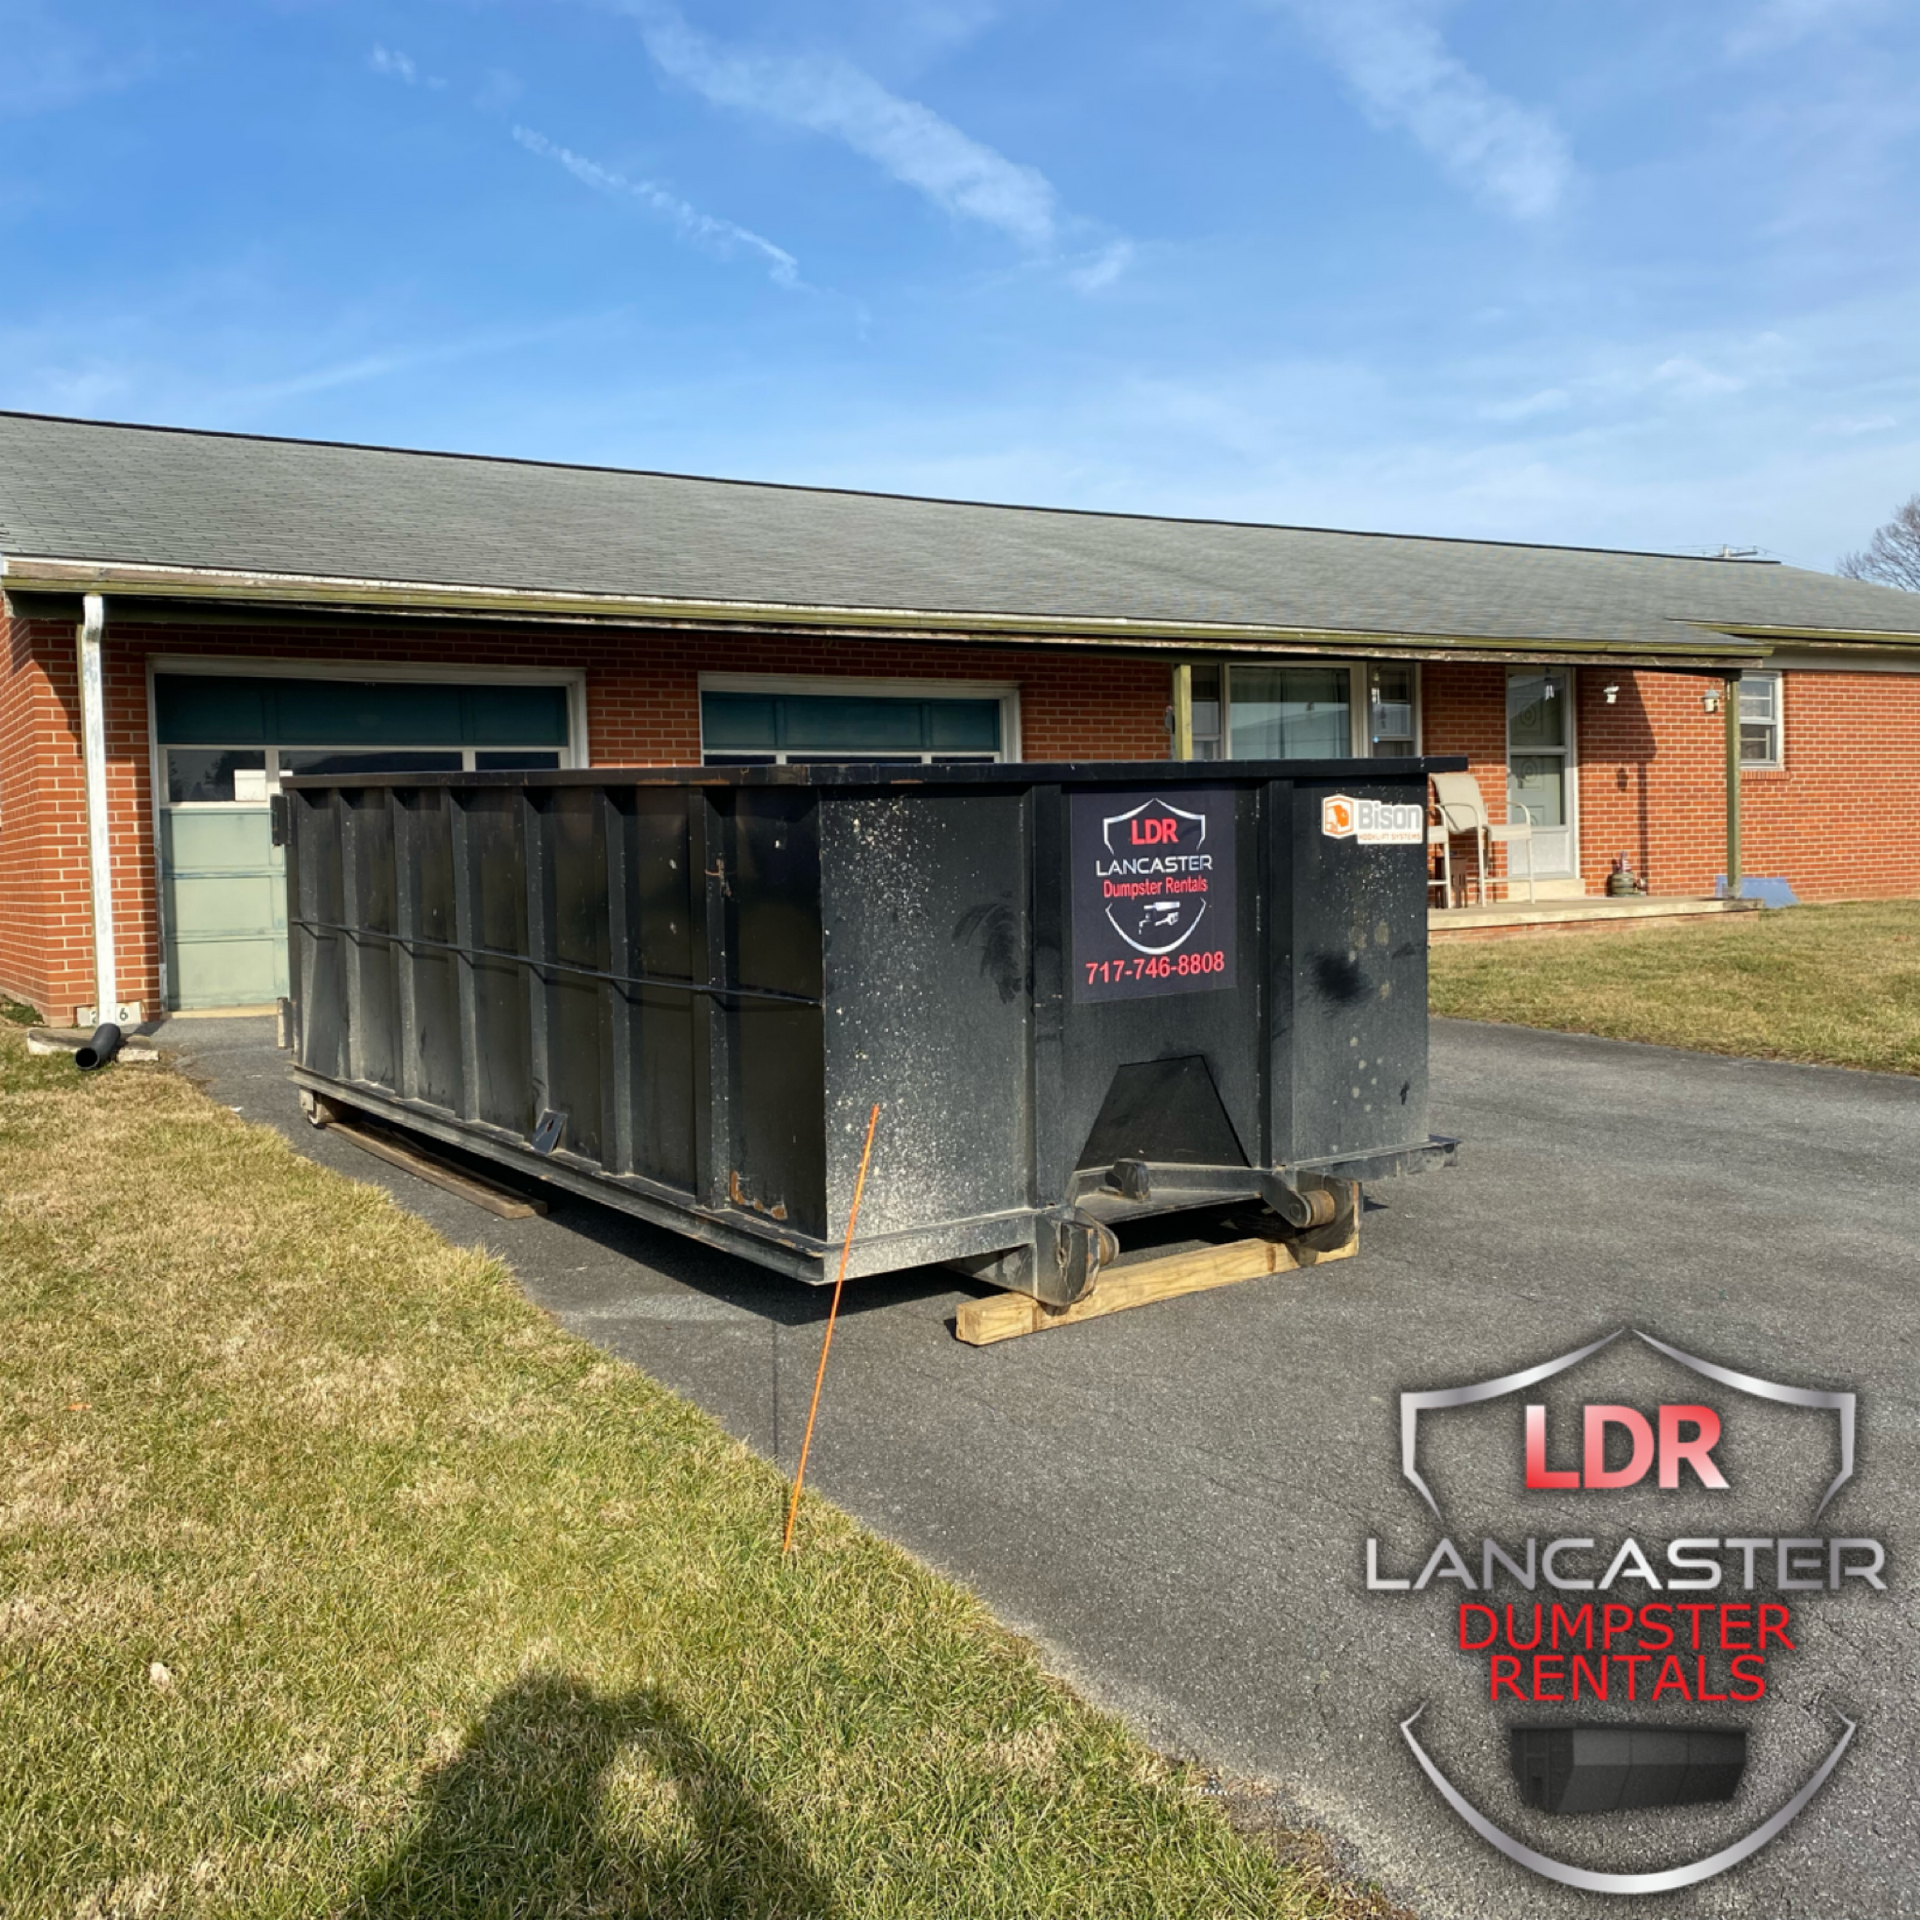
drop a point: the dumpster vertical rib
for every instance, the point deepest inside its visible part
(1273, 945)
(466, 987)
(623, 957)
(300, 993)
(537, 859)
(406, 888)
(1050, 1154)
(1282, 970)
(706, 883)
(352, 945)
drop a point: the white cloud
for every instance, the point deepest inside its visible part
(1403, 72)
(1102, 268)
(1691, 380)
(1778, 24)
(829, 95)
(395, 65)
(49, 65)
(1530, 406)
(724, 236)
(399, 66)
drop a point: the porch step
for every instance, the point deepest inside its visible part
(1572, 916)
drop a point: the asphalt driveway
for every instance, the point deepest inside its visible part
(1176, 1502)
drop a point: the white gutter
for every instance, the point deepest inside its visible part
(107, 1004)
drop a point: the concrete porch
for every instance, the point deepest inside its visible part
(1574, 916)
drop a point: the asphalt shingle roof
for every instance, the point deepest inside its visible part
(88, 491)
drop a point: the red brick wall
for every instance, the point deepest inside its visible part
(46, 922)
(1840, 820)
(642, 709)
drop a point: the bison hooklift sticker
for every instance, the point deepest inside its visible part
(1153, 896)
(1373, 823)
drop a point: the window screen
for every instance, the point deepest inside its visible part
(1759, 719)
(740, 729)
(207, 710)
(1289, 713)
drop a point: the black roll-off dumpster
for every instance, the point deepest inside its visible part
(1080, 994)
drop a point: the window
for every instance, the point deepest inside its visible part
(1289, 713)
(749, 729)
(1392, 731)
(1760, 720)
(226, 739)
(1331, 710)
(199, 775)
(1205, 706)
(263, 711)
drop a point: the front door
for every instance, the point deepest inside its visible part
(1540, 768)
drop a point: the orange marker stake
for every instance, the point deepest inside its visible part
(846, 1248)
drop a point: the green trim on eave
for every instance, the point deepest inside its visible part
(332, 593)
(1883, 637)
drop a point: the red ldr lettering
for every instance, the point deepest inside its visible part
(1155, 832)
(1674, 1448)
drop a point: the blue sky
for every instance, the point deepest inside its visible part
(1612, 272)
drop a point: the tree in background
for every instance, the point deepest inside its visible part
(1892, 556)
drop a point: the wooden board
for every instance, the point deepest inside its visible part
(437, 1172)
(1006, 1316)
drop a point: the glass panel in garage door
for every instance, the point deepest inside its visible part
(224, 886)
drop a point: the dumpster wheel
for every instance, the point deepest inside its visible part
(1269, 1245)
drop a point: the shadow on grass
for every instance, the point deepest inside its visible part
(567, 1801)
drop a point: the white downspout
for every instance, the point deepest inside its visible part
(93, 749)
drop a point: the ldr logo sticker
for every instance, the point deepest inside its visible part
(1153, 893)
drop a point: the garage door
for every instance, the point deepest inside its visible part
(225, 741)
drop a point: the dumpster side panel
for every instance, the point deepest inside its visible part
(1354, 1074)
(928, 964)
(774, 1059)
(1036, 972)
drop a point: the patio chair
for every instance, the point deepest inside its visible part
(1463, 809)
(1438, 836)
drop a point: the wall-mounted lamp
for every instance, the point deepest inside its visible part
(1711, 701)
(1613, 694)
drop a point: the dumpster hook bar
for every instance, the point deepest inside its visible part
(411, 940)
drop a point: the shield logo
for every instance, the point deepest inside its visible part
(1160, 839)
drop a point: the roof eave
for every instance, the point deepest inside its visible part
(1841, 639)
(345, 594)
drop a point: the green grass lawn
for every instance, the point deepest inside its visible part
(1839, 984)
(335, 1578)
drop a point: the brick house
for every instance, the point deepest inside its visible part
(189, 616)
